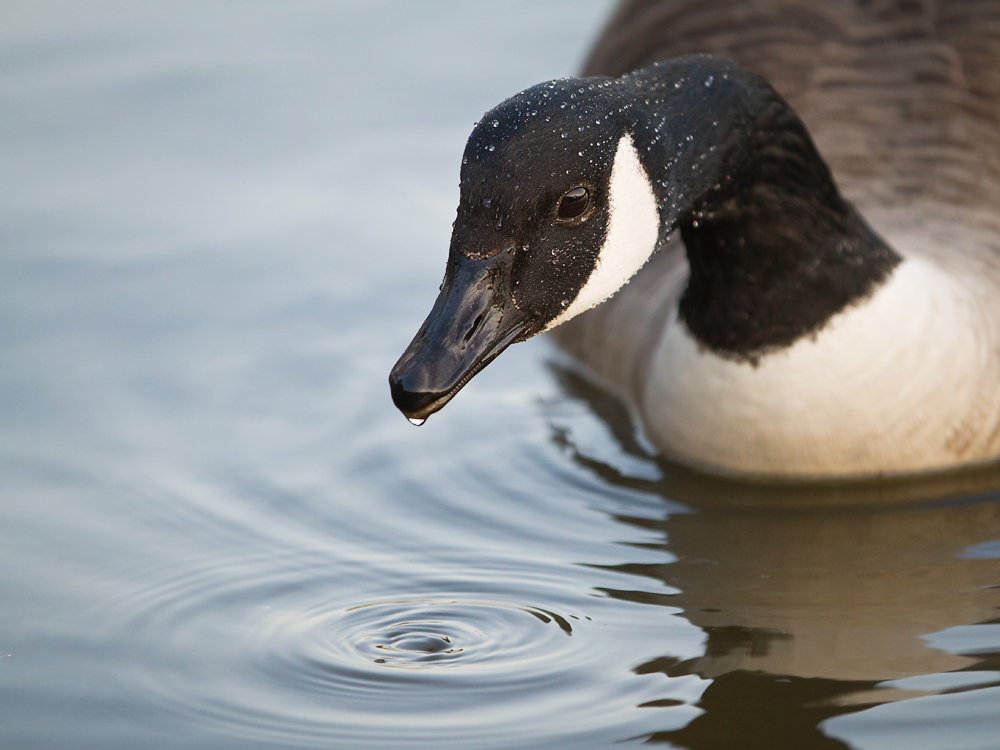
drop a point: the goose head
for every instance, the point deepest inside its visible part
(569, 187)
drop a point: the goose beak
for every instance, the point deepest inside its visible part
(473, 319)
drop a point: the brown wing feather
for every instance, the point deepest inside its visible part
(902, 96)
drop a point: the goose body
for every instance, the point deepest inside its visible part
(678, 229)
(905, 380)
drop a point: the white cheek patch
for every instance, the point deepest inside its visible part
(633, 229)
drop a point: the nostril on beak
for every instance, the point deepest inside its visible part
(473, 328)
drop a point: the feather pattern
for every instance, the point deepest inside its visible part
(903, 101)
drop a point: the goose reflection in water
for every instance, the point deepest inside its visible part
(812, 599)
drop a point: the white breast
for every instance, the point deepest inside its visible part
(904, 381)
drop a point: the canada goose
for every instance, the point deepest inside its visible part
(805, 321)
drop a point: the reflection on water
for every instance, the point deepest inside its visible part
(817, 602)
(216, 531)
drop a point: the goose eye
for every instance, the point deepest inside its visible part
(574, 203)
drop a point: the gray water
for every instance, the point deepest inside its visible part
(220, 225)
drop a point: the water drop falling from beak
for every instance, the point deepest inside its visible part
(415, 421)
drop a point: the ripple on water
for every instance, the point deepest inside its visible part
(290, 653)
(471, 649)
(430, 633)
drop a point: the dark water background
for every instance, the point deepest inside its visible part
(219, 225)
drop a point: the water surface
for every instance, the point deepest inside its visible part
(219, 227)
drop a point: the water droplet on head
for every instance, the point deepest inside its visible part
(415, 421)
(492, 147)
(496, 123)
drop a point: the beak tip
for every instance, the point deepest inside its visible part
(414, 404)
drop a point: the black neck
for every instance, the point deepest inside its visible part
(774, 249)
